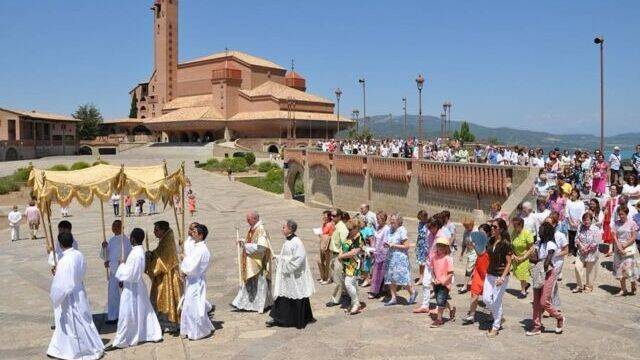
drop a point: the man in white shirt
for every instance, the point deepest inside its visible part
(368, 216)
(15, 217)
(615, 160)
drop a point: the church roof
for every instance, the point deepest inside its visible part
(283, 92)
(282, 114)
(188, 114)
(189, 101)
(40, 115)
(293, 75)
(244, 57)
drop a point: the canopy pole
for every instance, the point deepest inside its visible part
(104, 237)
(175, 213)
(122, 210)
(47, 210)
(183, 208)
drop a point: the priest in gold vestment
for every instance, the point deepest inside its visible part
(163, 268)
(254, 260)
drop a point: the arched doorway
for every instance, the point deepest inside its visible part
(208, 136)
(11, 154)
(195, 137)
(141, 129)
(295, 181)
(85, 150)
(184, 137)
(273, 149)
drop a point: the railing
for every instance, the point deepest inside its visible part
(470, 178)
(220, 74)
(350, 164)
(295, 155)
(392, 169)
(319, 158)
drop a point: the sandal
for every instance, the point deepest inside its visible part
(436, 324)
(452, 314)
(576, 290)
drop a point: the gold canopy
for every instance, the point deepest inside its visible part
(102, 180)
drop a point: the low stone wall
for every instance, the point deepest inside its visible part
(406, 185)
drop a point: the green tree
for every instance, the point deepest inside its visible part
(90, 120)
(133, 111)
(464, 134)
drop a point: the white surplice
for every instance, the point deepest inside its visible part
(194, 321)
(293, 278)
(137, 321)
(59, 252)
(75, 336)
(188, 248)
(114, 248)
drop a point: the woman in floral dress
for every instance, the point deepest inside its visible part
(625, 265)
(587, 241)
(398, 268)
(421, 244)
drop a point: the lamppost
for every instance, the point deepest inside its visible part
(443, 120)
(420, 84)
(447, 121)
(404, 108)
(364, 101)
(599, 40)
(355, 113)
(338, 94)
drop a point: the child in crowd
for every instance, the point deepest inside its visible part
(467, 255)
(442, 266)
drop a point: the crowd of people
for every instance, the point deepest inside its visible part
(455, 151)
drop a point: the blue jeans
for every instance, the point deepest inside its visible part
(442, 295)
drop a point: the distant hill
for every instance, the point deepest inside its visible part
(384, 126)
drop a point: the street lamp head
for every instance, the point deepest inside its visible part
(443, 116)
(598, 40)
(404, 99)
(420, 81)
(361, 81)
(338, 93)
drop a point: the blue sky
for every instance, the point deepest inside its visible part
(517, 63)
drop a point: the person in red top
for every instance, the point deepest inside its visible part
(325, 253)
(442, 265)
(609, 208)
(479, 239)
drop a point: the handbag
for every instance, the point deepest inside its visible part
(538, 275)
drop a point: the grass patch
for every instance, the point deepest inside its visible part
(272, 182)
(237, 164)
(59, 167)
(265, 166)
(14, 181)
(79, 165)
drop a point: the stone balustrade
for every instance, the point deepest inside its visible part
(392, 169)
(350, 164)
(319, 158)
(471, 178)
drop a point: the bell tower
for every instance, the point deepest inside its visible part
(164, 82)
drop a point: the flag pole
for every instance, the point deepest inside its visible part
(104, 237)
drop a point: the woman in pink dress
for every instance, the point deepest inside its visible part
(600, 171)
(191, 202)
(379, 256)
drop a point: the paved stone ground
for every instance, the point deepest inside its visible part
(599, 325)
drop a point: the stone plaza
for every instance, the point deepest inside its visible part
(599, 325)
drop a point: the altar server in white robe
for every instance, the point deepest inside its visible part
(137, 322)
(64, 226)
(194, 321)
(75, 336)
(110, 254)
(293, 283)
(189, 243)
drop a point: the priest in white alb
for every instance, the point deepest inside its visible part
(254, 260)
(137, 321)
(75, 335)
(293, 283)
(194, 320)
(188, 245)
(110, 254)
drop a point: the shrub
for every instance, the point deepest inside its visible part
(266, 166)
(272, 182)
(211, 165)
(250, 158)
(236, 164)
(274, 175)
(238, 154)
(59, 167)
(21, 175)
(80, 165)
(100, 161)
